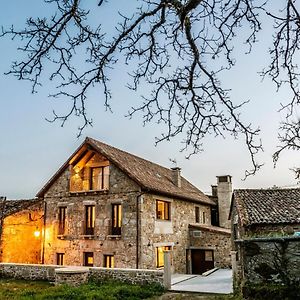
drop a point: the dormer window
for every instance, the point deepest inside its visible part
(89, 172)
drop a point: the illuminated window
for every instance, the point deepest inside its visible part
(160, 255)
(116, 219)
(99, 178)
(88, 259)
(197, 214)
(61, 220)
(60, 259)
(89, 219)
(163, 210)
(109, 261)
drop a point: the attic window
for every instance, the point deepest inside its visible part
(90, 172)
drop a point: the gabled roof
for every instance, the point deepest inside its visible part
(148, 175)
(267, 206)
(9, 207)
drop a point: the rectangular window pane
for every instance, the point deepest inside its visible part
(116, 219)
(61, 220)
(160, 255)
(60, 259)
(88, 259)
(89, 219)
(163, 210)
(99, 178)
(197, 214)
(109, 261)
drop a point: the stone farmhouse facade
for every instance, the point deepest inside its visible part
(106, 207)
(266, 235)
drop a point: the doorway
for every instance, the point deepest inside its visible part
(202, 260)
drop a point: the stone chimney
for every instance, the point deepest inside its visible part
(176, 176)
(214, 190)
(224, 193)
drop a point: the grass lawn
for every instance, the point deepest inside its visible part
(25, 290)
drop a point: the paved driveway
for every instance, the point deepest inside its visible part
(218, 282)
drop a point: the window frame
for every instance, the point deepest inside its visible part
(116, 219)
(165, 248)
(62, 213)
(60, 257)
(197, 214)
(86, 256)
(108, 261)
(166, 214)
(89, 218)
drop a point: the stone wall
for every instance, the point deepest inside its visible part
(76, 275)
(28, 271)
(74, 243)
(216, 239)
(274, 260)
(133, 276)
(175, 232)
(21, 239)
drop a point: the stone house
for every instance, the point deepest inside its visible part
(107, 207)
(265, 234)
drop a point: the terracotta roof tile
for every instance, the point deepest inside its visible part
(268, 206)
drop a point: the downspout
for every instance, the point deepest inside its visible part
(137, 229)
(44, 232)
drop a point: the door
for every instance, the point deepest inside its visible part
(202, 260)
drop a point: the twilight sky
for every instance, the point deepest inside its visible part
(31, 149)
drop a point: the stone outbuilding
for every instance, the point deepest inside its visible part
(266, 235)
(106, 207)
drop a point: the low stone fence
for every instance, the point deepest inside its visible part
(270, 259)
(28, 271)
(79, 275)
(133, 276)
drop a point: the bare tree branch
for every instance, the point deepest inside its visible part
(178, 47)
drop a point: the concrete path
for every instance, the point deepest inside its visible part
(219, 282)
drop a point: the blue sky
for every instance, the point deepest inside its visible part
(31, 149)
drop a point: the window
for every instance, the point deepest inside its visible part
(61, 220)
(109, 261)
(203, 217)
(88, 259)
(163, 210)
(60, 259)
(98, 178)
(89, 219)
(160, 255)
(116, 219)
(197, 214)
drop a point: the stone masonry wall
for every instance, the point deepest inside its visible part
(133, 276)
(270, 259)
(46, 272)
(18, 241)
(28, 271)
(220, 242)
(174, 233)
(74, 243)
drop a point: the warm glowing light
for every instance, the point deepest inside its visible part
(37, 233)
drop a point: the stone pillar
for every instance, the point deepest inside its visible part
(224, 200)
(167, 269)
(233, 261)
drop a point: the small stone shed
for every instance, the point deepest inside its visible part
(265, 240)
